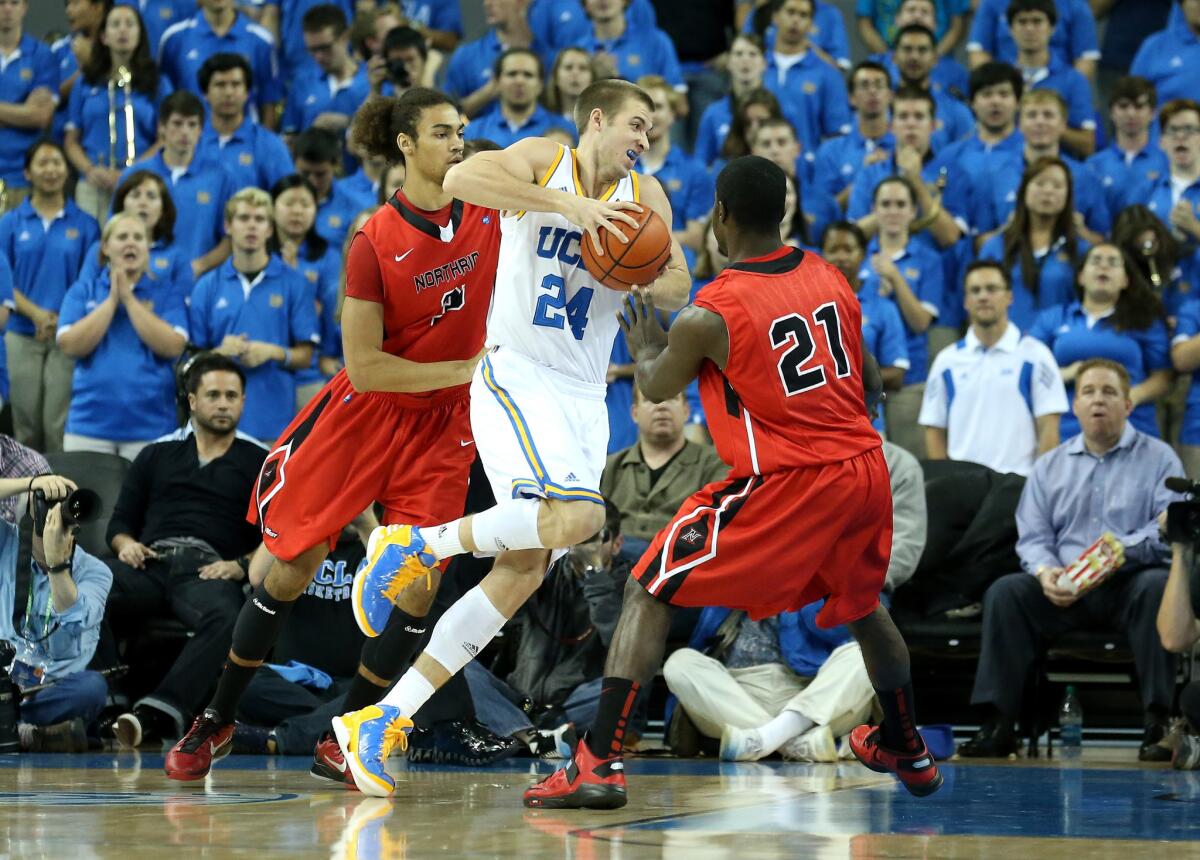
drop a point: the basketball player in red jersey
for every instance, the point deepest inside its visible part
(393, 426)
(806, 511)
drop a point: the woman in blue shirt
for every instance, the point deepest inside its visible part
(1116, 316)
(121, 42)
(1040, 246)
(44, 239)
(297, 242)
(124, 329)
(146, 195)
(571, 74)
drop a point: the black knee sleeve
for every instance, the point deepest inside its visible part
(259, 623)
(391, 653)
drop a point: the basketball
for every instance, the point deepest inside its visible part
(635, 263)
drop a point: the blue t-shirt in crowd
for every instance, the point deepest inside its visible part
(158, 15)
(813, 96)
(1068, 82)
(1170, 59)
(324, 276)
(167, 263)
(359, 188)
(33, 69)
(921, 266)
(278, 308)
(840, 159)
(200, 194)
(1187, 326)
(309, 96)
(1074, 35)
(87, 113)
(1157, 197)
(883, 15)
(493, 126)
(1056, 284)
(618, 397)
(187, 44)
(122, 391)
(947, 76)
(293, 56)
(884, 336)
(1120, 176)
(254, 156)
(1073, 337)
(335, 213)
(688, 185)
(45, 259)
(995, 195)
(638, 52)
(8, 301)
(828, 32)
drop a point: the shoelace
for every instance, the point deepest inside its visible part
(394, 735)
(410, 571)
(202, 729)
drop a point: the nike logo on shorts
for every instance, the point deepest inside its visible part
(400, 257)
(462, 443)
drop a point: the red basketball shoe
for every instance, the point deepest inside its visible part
(587, 782)
(206, 741)
(916, 771)
(329, 763)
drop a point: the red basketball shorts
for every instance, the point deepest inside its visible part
(347, 450)
(778, 542)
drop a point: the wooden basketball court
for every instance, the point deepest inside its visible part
(120, 805)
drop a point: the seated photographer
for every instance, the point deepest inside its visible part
(783, 683)
(1179, 630)
(50, 618)
(649, 480)
(180, 533)
(1106, 481)
(565, 631)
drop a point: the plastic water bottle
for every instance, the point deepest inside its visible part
(1070, 724)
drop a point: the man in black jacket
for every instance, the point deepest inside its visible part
(180, 533)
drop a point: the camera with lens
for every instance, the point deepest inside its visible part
(1183, 518)
(79, 508)
(397, 72)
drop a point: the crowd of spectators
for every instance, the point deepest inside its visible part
(1016, 204)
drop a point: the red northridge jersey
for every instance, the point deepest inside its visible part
(791, 395)
(433, 272)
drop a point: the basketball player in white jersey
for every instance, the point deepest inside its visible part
(537, 399)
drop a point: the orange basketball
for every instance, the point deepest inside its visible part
(634, 263)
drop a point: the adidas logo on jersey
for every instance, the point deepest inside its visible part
(571, 477)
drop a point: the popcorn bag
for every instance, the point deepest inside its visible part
(1094, 565)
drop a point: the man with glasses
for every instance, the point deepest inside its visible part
(996, 396)
(1175, 196)
(327, 95)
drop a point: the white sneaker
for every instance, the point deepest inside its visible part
(817, 744)
(741, 745)
(127, 729)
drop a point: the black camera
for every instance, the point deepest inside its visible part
(397, 73)
(1183, 518)
(79, 508)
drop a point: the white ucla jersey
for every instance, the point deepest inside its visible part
(546, 305)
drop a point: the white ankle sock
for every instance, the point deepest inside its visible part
(511, 524)
(788, 725)
(443, 540)
(464, 630)
(411, 691)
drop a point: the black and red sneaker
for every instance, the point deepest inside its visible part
(587, 782)
(206, 741)
(916, 771)
(329, 763)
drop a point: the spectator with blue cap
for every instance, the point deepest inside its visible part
(97, 147)
(253, 155)
(199, 186)
(257, 309)
(28, 88)
(124, 328)
(45, 239)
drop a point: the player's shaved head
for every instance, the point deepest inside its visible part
(753, 191)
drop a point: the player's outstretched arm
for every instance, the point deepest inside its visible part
(667, 362)
(508, 179)
(674, 286)
(372, 369)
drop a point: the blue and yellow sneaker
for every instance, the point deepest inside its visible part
(396, 557)
(367, 738)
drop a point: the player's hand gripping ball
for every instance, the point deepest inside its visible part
(639, 261)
